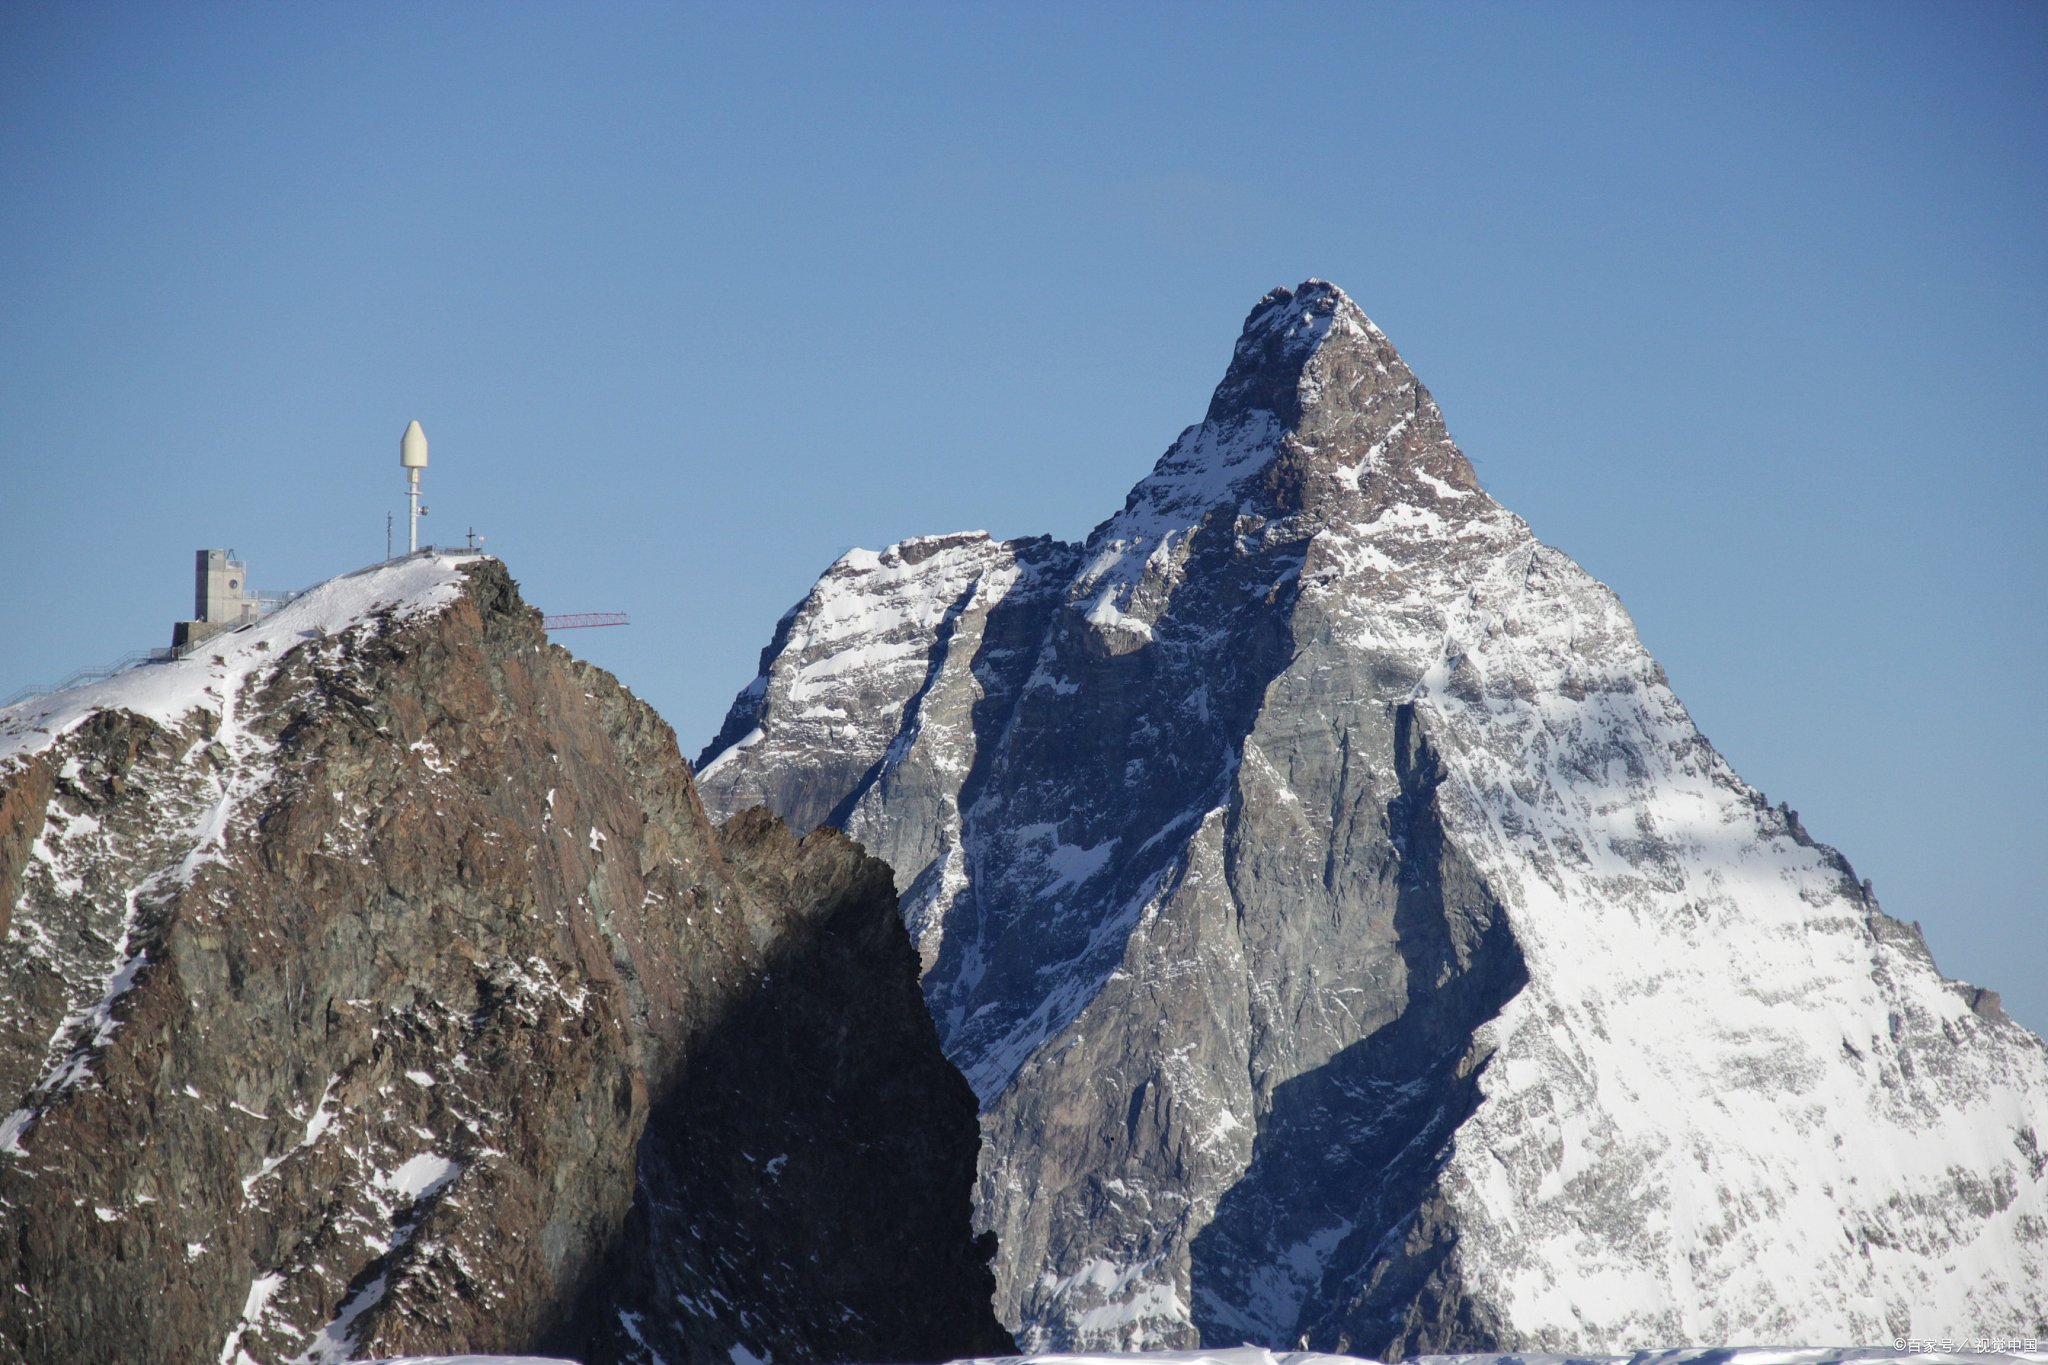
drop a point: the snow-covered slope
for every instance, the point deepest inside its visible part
(1353, 941)
(399, 590)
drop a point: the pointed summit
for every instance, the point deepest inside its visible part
(1352, 941)
(1318, 426)
(1280, 335)
(1314, 393)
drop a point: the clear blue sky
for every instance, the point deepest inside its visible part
(1741, 305)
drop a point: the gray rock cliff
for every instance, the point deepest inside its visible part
(1352, 941)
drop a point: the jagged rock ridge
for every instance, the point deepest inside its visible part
(375, 983)
(1353, 942)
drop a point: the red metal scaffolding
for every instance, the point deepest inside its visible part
(578, 620)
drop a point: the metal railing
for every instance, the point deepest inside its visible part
(267, 602)
(92, 674)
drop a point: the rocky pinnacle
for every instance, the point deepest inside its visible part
(376, 985)
(1353, 942)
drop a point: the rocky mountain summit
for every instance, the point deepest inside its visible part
(1352, 941)
(374, 983)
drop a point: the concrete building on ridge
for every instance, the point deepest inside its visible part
(221, 599)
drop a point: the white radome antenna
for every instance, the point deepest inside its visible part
(412, 457)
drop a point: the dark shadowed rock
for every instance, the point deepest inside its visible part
(814, 1166)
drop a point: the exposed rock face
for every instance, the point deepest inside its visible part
(361, 971)
(791, 1184)
(1353, 942)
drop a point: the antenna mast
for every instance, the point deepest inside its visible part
(412, 457)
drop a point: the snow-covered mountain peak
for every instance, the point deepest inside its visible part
(1317, 429)
(1280, 335)
(904, 553)
(211, 677)
(1352, 940)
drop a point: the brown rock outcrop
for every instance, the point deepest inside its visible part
(337, 1007)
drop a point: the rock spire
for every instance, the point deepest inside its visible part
(1353, 942)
